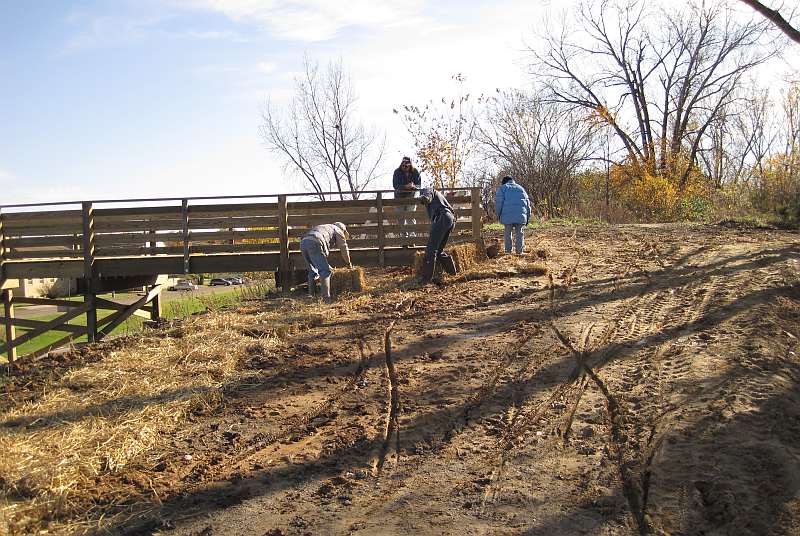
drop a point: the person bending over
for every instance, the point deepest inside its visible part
(443, 220)
(315, 247)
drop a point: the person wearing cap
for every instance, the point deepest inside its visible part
(443, 220)
(514, 211)
(315, 247)
(405, 181)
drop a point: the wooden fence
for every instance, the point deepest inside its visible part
(98, 241)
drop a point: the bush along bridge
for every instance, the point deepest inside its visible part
(113, 245)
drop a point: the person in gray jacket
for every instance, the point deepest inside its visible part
(514, 211)
(443, 220)
(315, 247)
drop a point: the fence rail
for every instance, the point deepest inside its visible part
(98, 240)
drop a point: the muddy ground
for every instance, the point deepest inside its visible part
(648, 384)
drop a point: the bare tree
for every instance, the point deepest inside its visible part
(541, 144)
(443, 135)
(776, 18)
(658, 79)
(319, 136)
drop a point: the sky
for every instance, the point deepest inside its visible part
(103, 99)
(159, 98)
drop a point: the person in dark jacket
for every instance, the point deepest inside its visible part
(514, 211)
(406, 181)
(443, 220)
(315, 247)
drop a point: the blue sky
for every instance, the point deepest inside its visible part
(108, 99)
(152, 98)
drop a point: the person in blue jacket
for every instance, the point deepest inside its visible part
(514, 211)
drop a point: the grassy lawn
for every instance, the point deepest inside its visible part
(176, 308)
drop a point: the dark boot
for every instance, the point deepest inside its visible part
(427, 272)
(448, 265)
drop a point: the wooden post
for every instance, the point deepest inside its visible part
(2, 251)
(8, 307)
(153, 242)
(381, 232)
(88, 271)
(155, 308)
(476, 214)
(185, 219)
(283, 226)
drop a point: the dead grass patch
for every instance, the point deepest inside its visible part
(106, 421)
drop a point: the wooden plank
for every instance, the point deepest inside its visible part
(476, 214)
(108, 251)
(29, 323)
(186, 237)
(128, 226)
(381, 231)
(234, 248)
(46, 301)
(332, 211)
(42, 241)
(44, 328)
(119, 317)
(23, 254)
(11, 334)
(238, 209)
(42, 230)
(88, 271)
(43, 215)
(3, 277)
(247, 223)
(347, 219)
(294, 206)
(156, 310)
(43, 268)
(197, 236)
(283, 226)
(144, 237)
(136, 213)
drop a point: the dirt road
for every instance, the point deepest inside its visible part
(648, 384)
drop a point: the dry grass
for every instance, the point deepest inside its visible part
(108, 419)
(345, 279)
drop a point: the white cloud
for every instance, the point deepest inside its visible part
(311, 20)
(266, 67)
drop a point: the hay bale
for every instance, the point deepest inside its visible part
(465, 256)
(345, 279)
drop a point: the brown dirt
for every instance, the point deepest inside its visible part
(647, 384)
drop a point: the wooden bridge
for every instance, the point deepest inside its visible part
(120, 244)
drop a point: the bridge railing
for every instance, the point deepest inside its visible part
(89, 231)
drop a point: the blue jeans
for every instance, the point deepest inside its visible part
(519, 236)
(316, 261)
(441, 226)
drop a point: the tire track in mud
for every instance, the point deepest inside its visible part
(643, 316)
(295, 428)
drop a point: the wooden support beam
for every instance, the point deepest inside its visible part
(45, 327)
(3, 276)
(185, 220)
(88, 270)
(29, 323)
(155, 310)
(476, 214)
(8, 307)
(283, 227)
(46, 301)
(119, 317)
(381, 231)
